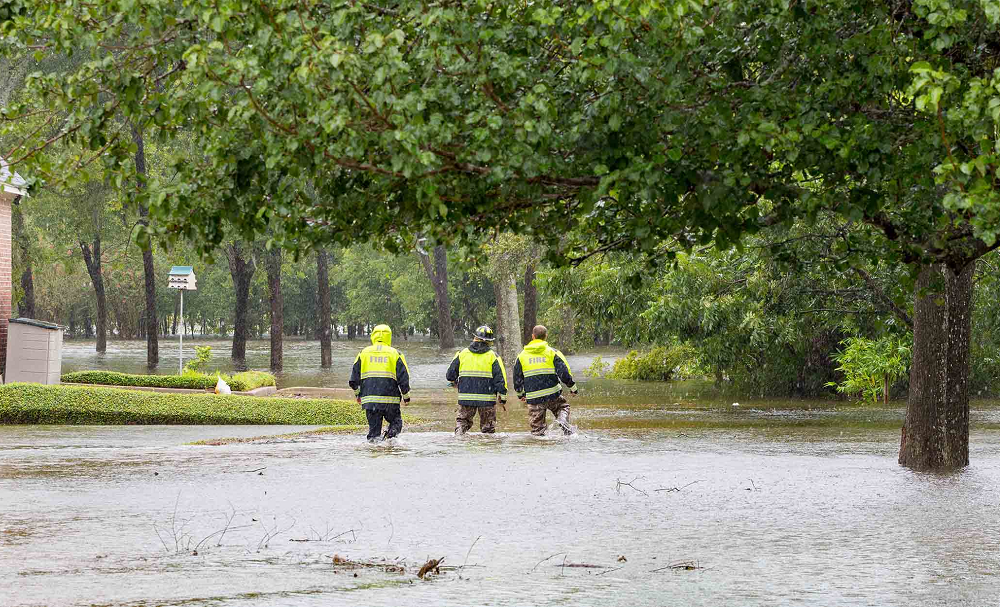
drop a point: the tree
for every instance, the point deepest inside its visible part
(242, 265)
(149, 270)
(438, 275)
(637, 123)
(323, 284)
(273, 263)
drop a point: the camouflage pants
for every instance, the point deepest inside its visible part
(560, 410)
(487, 419)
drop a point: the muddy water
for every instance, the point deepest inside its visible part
(764, 503)
(113, 516)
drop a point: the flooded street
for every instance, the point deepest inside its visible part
(669, 495)
(114, 516)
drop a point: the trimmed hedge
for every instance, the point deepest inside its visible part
(38, 404)
(241, 382)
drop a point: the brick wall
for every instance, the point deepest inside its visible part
(6, 291)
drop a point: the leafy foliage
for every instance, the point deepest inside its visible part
(202, 356)
(658, 364)
(36, 404)
(870, 367)
(240, 382)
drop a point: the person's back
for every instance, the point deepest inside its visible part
(380, 378)
(481, 379)
(538, 371)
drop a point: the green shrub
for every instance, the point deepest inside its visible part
(202, 356)
(250, 380)
(659, 364)
(192, 380)
(870, 367)
(598, 368)
(37, 404)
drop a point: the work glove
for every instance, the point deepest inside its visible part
(503, 402)
(574, 391)
(406, 401)
(359, 400)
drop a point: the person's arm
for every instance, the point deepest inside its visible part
(563, 372)
(500, 380)
(355, 381)
(519, 379)
(452, 374)
(403, 378)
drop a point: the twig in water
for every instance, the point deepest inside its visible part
(669, 489)
(610, 570)
(563, 570)
(547, 558)
(392, 532)
(680, 566)
(752, 485)
(618, 487)
(255, 469)
(469, 552)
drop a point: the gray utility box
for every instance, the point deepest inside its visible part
(34, 351)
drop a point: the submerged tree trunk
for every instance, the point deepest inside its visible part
(277, 309)
(323, 284)
(148, 270)
(93, 260)
(438, 275)
(935, 434)
(241, 267)
(509, 321)
(530, 303)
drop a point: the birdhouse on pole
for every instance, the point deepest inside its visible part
(183, 278)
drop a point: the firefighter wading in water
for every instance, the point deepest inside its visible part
(537, 373)
(380, 378)
(482, 381)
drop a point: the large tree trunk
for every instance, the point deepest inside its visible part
(438, 276)
(277, 309)
(148, 270)
(567, 329)
(26, 307)
(93, 260)
(509, 321)
(530, 303)
(241, 267)
(935, 434)
(323, 284)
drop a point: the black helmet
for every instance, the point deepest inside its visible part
(484, 333)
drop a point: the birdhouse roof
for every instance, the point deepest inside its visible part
(12, 182)
(181, 270)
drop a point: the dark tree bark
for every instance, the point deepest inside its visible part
(277, 309)
(92, 257)
(530, 303)
(323, 283)
(438, 275)
(88, 330)
(351, 332)
(148, 270)
(26, 307)
(241, 267)
(935, 434)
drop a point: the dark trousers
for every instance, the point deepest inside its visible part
(391, 415)
(559, 408)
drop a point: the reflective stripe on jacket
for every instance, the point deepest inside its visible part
(538, 371)
(480, 375)
(380, 376)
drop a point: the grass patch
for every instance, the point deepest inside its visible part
(191, 380)
(37, 404)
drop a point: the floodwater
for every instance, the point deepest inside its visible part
(135, 516)
(667, 495)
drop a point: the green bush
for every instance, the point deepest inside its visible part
(37, 404)
(659, 364)
(870, 367)
(192, 380)
(597, 368)
(202, 356)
